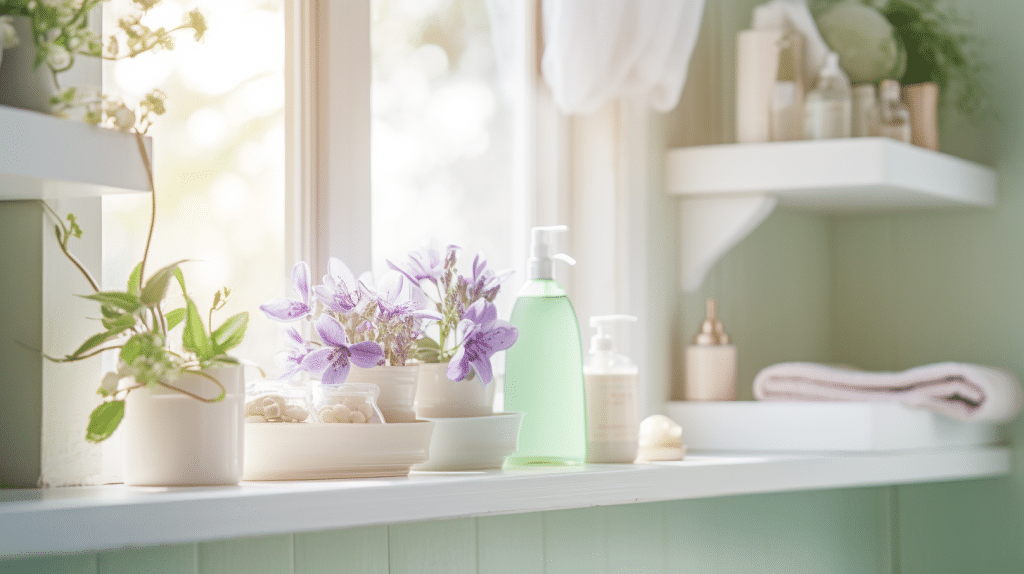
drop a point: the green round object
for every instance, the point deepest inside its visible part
(865, 41)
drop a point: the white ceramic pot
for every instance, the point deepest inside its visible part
(22, 85)
(472, 443)
(171, 439)
(438, 397)
(397, 389)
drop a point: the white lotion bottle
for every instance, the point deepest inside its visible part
(611, 381)
(711, 362)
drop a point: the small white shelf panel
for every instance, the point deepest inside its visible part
(45, 157)
(851, 174)
(106, 517)
(727, 190)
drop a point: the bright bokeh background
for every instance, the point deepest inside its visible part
(442, 166)
(219, 160)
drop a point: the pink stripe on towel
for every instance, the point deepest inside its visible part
(960, 390)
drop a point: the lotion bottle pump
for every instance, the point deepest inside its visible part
(544, 369)
(613, 410)
(711, 362)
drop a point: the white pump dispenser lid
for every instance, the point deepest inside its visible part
(603, 342)
(541, 264)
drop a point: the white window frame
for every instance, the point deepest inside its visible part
(592, 173)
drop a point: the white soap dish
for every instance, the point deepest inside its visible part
(472, 443)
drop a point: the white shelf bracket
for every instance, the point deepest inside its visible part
(709, 228)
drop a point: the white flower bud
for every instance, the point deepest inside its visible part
(109, 384)
(124, 118)
(58, 57)
(8, 36)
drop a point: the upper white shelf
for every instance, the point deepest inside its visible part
(44, 157)
(65, 519)
(851, 174)
(728, 190)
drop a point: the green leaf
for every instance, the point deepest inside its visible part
(175, 317)
(134, 279)
(181, 281)
(104, 420)
(194, 339)
(230, 334)
(428, 350)
(119, 299)
(133, 348)
(156, 288)
(119, 321)
(95, 341)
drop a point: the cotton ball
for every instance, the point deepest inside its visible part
(327, 415)
(660, 439)
(367, 411)
(342, 412)
(253, 407)
(296, 413)
(357, 417)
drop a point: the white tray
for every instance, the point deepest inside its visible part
(302, 451)
(821, 426)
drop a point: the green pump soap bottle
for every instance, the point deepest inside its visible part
(544, 369)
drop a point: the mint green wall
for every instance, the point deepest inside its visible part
(918, 288)
(829, 532)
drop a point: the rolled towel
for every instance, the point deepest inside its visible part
(960, 390)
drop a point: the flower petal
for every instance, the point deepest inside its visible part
(458, 367)
(331, 331)
(481, 312)
(464, 330)
(301, 280)
(285, 310)
(366, 354)
(499, 336)
(337, 371)
(427, 314)
(341, 274)
(294, 337)
(317, 361)
(482, 364)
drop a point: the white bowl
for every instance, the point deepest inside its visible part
(302, 451)
(472, 443)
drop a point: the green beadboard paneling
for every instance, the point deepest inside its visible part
(435, 547)
(262, 555)
(176, 559)
(636, 538)
(64, 564)
(575, 541)
(510, 544)
(357, 550)
(835, 532)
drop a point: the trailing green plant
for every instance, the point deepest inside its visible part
(60, 32)
(137, 324)
(938, 49)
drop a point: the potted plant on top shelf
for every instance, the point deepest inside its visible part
(45, 38)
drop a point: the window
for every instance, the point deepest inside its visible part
(219, 162)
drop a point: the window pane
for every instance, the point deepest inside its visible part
(219, 160)
(442, 144)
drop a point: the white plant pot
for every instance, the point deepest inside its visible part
(439, 397)
(397, 389)
(171, 439)
(22, 85)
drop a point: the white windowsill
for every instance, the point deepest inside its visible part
(107, 517)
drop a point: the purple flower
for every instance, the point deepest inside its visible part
(285, 310)
(396, 297)
(340, 291)
(291, 358)
(484, 282)
(480, 335)
(426, 265)
(332, 361)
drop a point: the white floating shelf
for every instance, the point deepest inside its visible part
(727, 190)
(66, 519)
(44, 157)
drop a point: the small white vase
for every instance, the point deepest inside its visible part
(397, 389)
(439, 397)
(171, 439)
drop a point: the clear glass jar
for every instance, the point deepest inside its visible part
(277, 402)
(893, 117)
(345, 403)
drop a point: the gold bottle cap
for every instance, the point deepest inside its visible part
(711, 330)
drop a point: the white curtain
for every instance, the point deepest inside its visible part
(598, 50)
